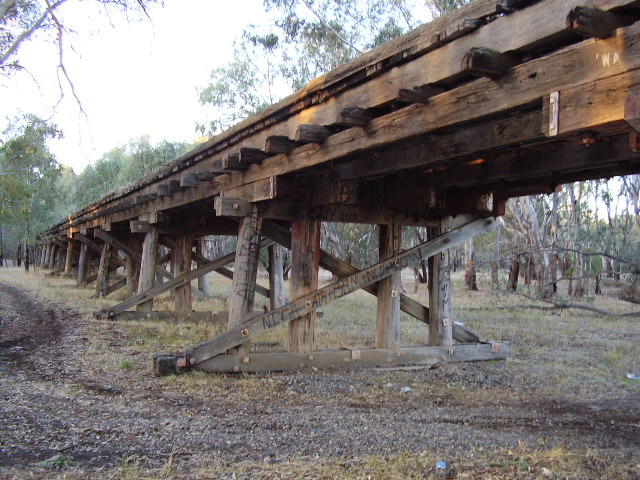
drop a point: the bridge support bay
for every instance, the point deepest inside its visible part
(447, 122)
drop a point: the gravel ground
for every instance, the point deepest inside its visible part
(61, 394)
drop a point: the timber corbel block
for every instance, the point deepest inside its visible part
(354, 117)
(174, 186)
(189, 180)
(163, 190)
(276, 144)
(485, 62)
(593, 22)
(232, 207)
(251, 156)
(419, 94)
(312, 133)
(231, 161)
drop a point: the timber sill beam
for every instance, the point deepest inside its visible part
(344, 359)
(305, 304)
(178, 281)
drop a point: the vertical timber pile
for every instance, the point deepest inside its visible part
(388, 316)
(102, 282)
(52, 256)
(68, 262)
(60, 260)
(305, 263)
(276, 281)
(47, 256)
(245, 272)
(440, 321)
(83, 264)
(148, 267)
(182, 254)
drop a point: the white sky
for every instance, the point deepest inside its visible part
(133, 79)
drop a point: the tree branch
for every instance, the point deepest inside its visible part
(63, 68)
(27, 33)
(331, 29)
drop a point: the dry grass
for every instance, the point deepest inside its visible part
(562, 352)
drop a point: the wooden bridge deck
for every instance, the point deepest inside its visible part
(489, 102)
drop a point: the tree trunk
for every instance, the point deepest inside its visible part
(514, 271)
(26, 258)
(469, 265)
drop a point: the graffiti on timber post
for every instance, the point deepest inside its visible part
(247, 255)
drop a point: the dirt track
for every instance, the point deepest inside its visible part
(60, 396)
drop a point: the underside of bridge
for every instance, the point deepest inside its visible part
(436, 128)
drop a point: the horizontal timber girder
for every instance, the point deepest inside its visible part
(178, 281)
(303, 305)
(342, 269)
(430, 55)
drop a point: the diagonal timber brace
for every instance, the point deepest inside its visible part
(173, 283)
(303, 305)
(342, 269)
(202, 260)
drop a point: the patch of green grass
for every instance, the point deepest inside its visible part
(56, 462)
(127, 365)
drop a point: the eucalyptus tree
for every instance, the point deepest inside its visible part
(28, 173)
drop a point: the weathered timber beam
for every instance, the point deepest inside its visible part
(208, 317)
(346, 359)
(175, 282)
(354, 117)
(485, 62)
(482, 98)
(593, 22)
(610, 104)
(342, 269)
(305, 304)
(544, 161)
(285, 210)
(312, 133)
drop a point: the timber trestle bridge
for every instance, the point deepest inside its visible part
(437, 128)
